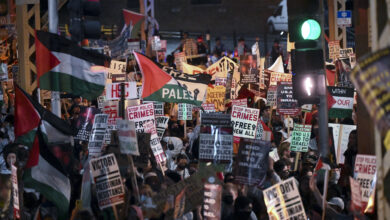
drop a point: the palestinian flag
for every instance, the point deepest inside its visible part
(134, 20)
(340, 102)
(45, 174)
(29, 115)
(64, 66)
(160, 86)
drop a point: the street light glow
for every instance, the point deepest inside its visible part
(308, 84)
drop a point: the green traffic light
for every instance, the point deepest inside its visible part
(310, 30)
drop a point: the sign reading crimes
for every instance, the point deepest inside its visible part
(300, 138)
(244, 121)
(365, 170)
(106, 176)
(283, 201)
(216, 147)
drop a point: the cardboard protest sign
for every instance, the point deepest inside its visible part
(96, 139)
(252, 161)
(216, 96)
(356, 195)
(113, 91)
(341, 134)
(279, 77)
(111, 108)
(84, 122)
(212, 201)
(286, 104)
(334, 49)
(15, 191)
(283, 201)
(244, 121)
(116, 68)
(300, 138)
(141, 114)
(193, 194)
(248, 69)
(240, 102)
(208, 107)
(272, 95)
(127, 137)
(365, 172)
(215, 119)
(340, 102)
(184, 111)
(262, 134)
(216, 147)
(161, 125)
(108, 181)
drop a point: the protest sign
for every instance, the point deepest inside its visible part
(191, 69)
(179, 59)
(340, 102)
(116, 68)
(216, 96)
(283, 201)
(111, 108)
(248, 69)
(252, 161)
(100, 100)
(143, 140)
(84, 122)
(208, 107)
(307, 107)
(15, 191)
(216, 119)
(244, 121)
(286, 105)
(341, 134)
(184, 111)
(262, 134)
(365, 172)
(216, 147)
(274, 154)
(356, 195)
(193, 194)
(334, 49)
(141, 114)
(279, 77)
(96, 139)
(108, 181)
(240, 102)
(300, 138)
(220, 81)
(158, 107)
(212, 201)
(346, 53)
(113, 91)
(271, 96)
(127, 137)
(161, 125)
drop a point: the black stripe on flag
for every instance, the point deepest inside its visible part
(341, 91)
(57, 43)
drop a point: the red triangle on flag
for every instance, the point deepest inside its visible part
(26, 117)
(331, 101)
(131, 17)
(45, 60)
(154, 78)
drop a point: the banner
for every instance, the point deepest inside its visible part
(341, 134)
(212, 201)
(111, 108)
(244, 121)
(113, 91)
(161, 125)
(240, 102)
(127, 137)
(215, 119)
(252, 162)
(248, 69)
(279, 77)
(141, 114)
(340, 102)
(286, 105)
(300, 138)
(15, 191)
(84, 123)
(184, 111)
(365, 174)
(283, 201)
(191, 69)
(96, 139)
(108, 181)
(216, 96)
(216, 148)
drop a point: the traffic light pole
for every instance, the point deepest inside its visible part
(53, 27)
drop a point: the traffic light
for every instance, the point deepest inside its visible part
(304, 22)
(84, 19)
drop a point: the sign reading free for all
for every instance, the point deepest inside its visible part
(340, 102)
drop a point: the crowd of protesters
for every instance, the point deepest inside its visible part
(182, 151)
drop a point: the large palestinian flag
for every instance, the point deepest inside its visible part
(160, 86)
(340, 102)
(64, 66)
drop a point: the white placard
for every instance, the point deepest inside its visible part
(113, 91)
(244, 121)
